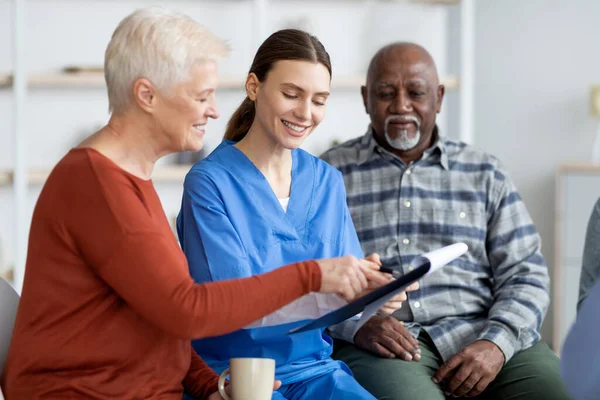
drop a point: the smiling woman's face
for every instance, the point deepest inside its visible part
(183, 112)
(290, 102)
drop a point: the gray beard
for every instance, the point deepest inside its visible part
(402, 141)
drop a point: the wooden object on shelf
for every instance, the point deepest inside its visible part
(7, 275)
(6, 81)
(6, 178)
(83, 69)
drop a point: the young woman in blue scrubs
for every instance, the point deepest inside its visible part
(259, 202)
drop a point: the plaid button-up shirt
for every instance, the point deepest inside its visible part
(498, 291)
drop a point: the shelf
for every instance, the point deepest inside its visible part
(579, 167)
(451, 82)
(437, 2)
(86, 80)
(162, 174)
(426, 2)
(96, 80)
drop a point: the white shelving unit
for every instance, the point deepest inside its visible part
(577, 190)
(23, 178)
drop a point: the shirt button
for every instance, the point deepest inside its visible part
(411, 268)
(407, 204)
(408, 172)
(417, 304)
(462, 215)
(405, 241)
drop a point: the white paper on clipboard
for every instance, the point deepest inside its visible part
(436, 259)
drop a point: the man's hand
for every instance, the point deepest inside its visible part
(387, 337)
(471, 370)
(395, 302)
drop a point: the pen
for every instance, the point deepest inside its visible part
(390, 271)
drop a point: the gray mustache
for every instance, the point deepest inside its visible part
(404, 119)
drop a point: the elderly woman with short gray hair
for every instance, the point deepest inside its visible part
(108, 308)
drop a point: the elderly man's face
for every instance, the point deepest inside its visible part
(402, 98)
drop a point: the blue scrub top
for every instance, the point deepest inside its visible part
(231, 225)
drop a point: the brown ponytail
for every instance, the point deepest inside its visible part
(240, 122)
(286, 44)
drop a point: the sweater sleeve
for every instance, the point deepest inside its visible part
(119, 228)
(147, 274)
(200, 381)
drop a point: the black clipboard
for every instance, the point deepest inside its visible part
(358, 305)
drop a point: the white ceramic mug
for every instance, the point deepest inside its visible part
(250, 379)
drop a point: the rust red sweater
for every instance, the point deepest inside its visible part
(108, 307)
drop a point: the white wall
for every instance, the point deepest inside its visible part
(535, 62)
(66, 32)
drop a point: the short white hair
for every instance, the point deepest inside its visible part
(159, 45)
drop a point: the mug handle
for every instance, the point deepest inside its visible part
(221, 385)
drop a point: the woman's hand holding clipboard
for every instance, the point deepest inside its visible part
(370, 303)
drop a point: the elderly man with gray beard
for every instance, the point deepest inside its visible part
(473, 328)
